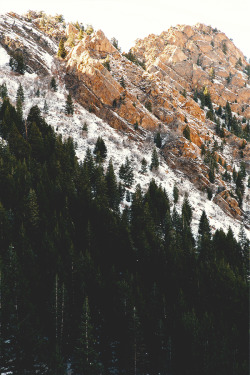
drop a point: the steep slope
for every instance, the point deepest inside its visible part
(134, 106)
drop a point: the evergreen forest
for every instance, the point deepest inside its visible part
(88, 288)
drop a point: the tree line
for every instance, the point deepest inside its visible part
(89, 287)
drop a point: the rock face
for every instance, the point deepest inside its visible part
(160, 98)
(190, 54)
(157, 99)
(36, 48)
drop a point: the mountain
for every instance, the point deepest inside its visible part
(168, 97)
(124, 201)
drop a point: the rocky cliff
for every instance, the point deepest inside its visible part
(189, 86)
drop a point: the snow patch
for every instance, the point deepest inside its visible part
(4, 57)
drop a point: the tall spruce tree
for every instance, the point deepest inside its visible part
(100, 149)
(126, 173)
(20, 93)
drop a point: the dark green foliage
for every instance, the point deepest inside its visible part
(154, 161)
(17, 62)
(210, 115)
(126, 173)
(3, 91)
(69, 108)
(45, 107)
(53, 84)
(88, 287)
(115, 43)
(100, 149)
(211, 174)
(106, 65)
(175, 193)
(148, 106)
(61, 50)
(130, 56)
(19, 108)
(20, 93)
(144, 166)
(136, 125)
(219, 111)
(158, 140)
(186, 132)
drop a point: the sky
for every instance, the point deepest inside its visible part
(127, 20)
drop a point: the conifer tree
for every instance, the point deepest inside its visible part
(20, 93)
(100, 149)
(186, 132)
(126, 173)
(45, 107)
(154, 161)
(157, 140)
(19, 108)
(69, 108)
(17, 63)
(85, 360)
(186, 211)
(3, 91)
(144, 166)
(176, 194)
(61, 50)
(112, 190)
(53, 84)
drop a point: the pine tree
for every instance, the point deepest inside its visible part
(85, 359)
(157, 140)
(69, 108)
(19, 108)
(144, 166)
(126, 173)
(20, 93)
(100, 149)
(32, 209)
(17, 63)
(45, 107)
(53, 84)
(154, 161)
(176, 194)
(61, 50)
(186, 211)
(186, 133)
(112, 189)
(3, 91)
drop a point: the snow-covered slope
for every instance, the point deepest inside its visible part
(119, 144)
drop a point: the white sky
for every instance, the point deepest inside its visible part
(128, 20)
